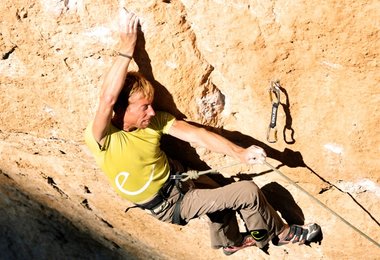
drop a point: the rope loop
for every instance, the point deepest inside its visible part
(191, 174)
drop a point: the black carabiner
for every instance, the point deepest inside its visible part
(272, 129)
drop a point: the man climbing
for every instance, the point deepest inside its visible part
(124, 138)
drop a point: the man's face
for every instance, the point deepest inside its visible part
(139, 111)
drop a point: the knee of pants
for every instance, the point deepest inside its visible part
(249, 189)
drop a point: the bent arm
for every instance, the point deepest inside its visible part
(216, 143)
(111, 88)
(115, 78)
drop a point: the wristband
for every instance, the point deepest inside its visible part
(125, 55)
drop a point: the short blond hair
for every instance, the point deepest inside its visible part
(135, 82)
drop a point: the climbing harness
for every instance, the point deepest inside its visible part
(195, 174)
(272, 129)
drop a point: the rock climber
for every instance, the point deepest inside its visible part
(124, 137)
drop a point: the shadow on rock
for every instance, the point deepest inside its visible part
(283, 202)
(163, 100)
(31, 230)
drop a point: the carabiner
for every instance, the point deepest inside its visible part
(272, 129)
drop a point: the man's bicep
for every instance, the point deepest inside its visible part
(101, 123)
(184, 131)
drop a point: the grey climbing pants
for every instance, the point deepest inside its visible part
(221, 204)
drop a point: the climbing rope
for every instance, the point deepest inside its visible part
(195, 174)
(321, 204)
(192, 174)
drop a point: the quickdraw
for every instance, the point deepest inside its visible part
(272, 129)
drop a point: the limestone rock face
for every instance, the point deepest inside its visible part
(212, 62)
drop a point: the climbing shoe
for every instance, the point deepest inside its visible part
(301, 235)
(247, 241)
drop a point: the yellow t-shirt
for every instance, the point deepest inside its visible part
(133, 161)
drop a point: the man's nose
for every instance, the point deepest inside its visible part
(151, 111)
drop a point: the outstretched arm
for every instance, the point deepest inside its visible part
(114, 80)
(216, 143)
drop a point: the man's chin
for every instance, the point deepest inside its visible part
(144, 124)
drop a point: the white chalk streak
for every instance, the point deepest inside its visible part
(364, 185)
(334, 148)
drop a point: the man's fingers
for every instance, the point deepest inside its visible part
(256, 155)
(256, 160)
(257, 150)
(128, 21)
(261, 160)
(136, 23)
(133, 23)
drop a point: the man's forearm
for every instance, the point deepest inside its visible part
(216, 143)
(112, 85)
(114, 80)
(203, 138)
(219, 144)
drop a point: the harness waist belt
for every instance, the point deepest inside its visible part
(160, 197)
